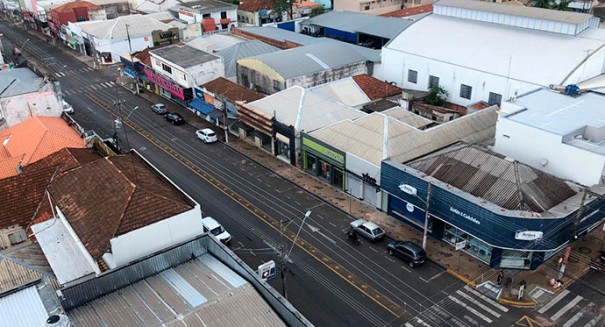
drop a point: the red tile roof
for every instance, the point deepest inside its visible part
(410, 11)
(231, 90)
(22, 196)
(254, 5)
(113, 196)
(375, 88)
(70, 6)
(34, 139)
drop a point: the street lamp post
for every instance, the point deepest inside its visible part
(284, 257)
(408, 189)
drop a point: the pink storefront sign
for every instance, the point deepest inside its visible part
(169, 86)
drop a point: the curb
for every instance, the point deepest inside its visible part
(462, 278)
(442, 266)
(517, 303)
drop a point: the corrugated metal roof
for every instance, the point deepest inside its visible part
(308, 59)
(243, 50)
(530, 12)
(487, 175)
(18, 81)
(13, 275)
(183, 55)
(353, 22)
(280, 34)
(345, 91)
(138, 25)
(23, 308)
(532, 56)
(175, 297)
(404, 140)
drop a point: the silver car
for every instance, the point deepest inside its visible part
(368, 229)
(159, 108)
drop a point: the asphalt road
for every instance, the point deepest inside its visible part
(332, 282)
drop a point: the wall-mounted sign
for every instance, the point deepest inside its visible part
(328, 153)
(528, 235)
(410, 207)
(368, 179)
(169, 86)
(267, 270)
(460, 245)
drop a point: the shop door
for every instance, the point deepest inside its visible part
(354, 186)
(369, 194)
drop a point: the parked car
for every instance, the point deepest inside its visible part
(368, 229)
(206, 135)
(409, 252)
(211, 225)
(174, 118)
(159, 108)
(67, 108)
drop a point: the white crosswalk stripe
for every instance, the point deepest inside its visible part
(553, 301)
(578, 315)
(566, 308)
(477, 303)
(472, 310)
(486, 299)
(594, 321)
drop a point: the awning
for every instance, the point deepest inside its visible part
(201, 106)
(72, 41)
(216, 114)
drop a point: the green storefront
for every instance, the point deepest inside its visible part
(323, 161)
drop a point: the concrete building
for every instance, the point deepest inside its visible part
(214, 15)
(500, 211)
(368, 6)
(500, 51)
(303, 66)
(176, 69)
(560, 134)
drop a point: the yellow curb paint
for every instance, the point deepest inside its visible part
(517, 303)
(462, 278)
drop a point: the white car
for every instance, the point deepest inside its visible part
(206, 135)
(67, 108)
(368, 229)
(211, 225)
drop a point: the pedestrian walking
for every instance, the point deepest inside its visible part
(500, 277)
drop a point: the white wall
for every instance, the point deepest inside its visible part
(531, 145)
(192, 76)
(118, 47)
(396, 65)
(155, 237)
(359, 167)
(18, 108)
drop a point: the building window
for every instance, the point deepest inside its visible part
(167, 68)
(412, 76)
(433, 81)
(205, 16)
(184, 77)
(465, 91)
(276, 85)
(223, 14)
(494, 99)
(366, 8)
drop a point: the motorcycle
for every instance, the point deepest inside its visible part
(352, 237)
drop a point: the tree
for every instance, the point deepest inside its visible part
(436, 96)
(317, 11)
(562, 5)
(282, 6)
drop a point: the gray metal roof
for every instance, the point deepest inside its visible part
(243, 50)
(283, 35)
(18, 81)
(205, 6)
(138, 25)
(559, 113)
(490, 176)
(310, 59)
(530, 12)
(352, 22)
(23, 308)
(184, 55)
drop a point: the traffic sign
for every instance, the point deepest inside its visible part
(267, 271)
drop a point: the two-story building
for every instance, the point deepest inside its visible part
(214, 15)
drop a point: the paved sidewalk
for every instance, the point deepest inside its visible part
(460, 265)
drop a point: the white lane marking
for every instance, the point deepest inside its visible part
(578, 315)
(566, 308)
(471, 320)
(471, 310)
(422, 322)
(407, 324)
(406, 269)
(316, 230)
(486, 299)
(553, 301)
(594, 322)
(436, 276)
(446, 317)
(93, 87)
(67, 92)
(112, 83)
(108, 84)
(424, 280)
(480, 305)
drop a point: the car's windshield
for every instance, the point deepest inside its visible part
(211, 134)
(218, 230)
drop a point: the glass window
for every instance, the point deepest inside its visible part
(338, 178)
(474, 246)
(465, 91)
(494, 99)
(515, 259)
(324, 170)
(433, 81)
(412, 76)
(276, 85)
(310, 162)
(283, 150)
(167, 68)
(223, 14)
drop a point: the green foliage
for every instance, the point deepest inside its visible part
(282, 6)
(562, 5)
(235, 2)
(436, 96)
(317, 11)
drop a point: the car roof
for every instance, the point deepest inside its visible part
(210, 222)
(371, 225)
(159, 104)
(205, 130)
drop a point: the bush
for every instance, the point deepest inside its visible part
(436, 96)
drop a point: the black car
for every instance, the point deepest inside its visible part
(174, 118)
(407, 251)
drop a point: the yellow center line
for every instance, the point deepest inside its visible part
(383, 301)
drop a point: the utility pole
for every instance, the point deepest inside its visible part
(136, 75)
(427, 215)
(284, 257)
(573, 235)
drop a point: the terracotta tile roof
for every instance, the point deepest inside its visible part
(22, 196)
(231, 90)
(70, 6)
(33, 140)
(410, 11)
(254, 5)
(375, 88)
(309, 4)
(113, 196)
